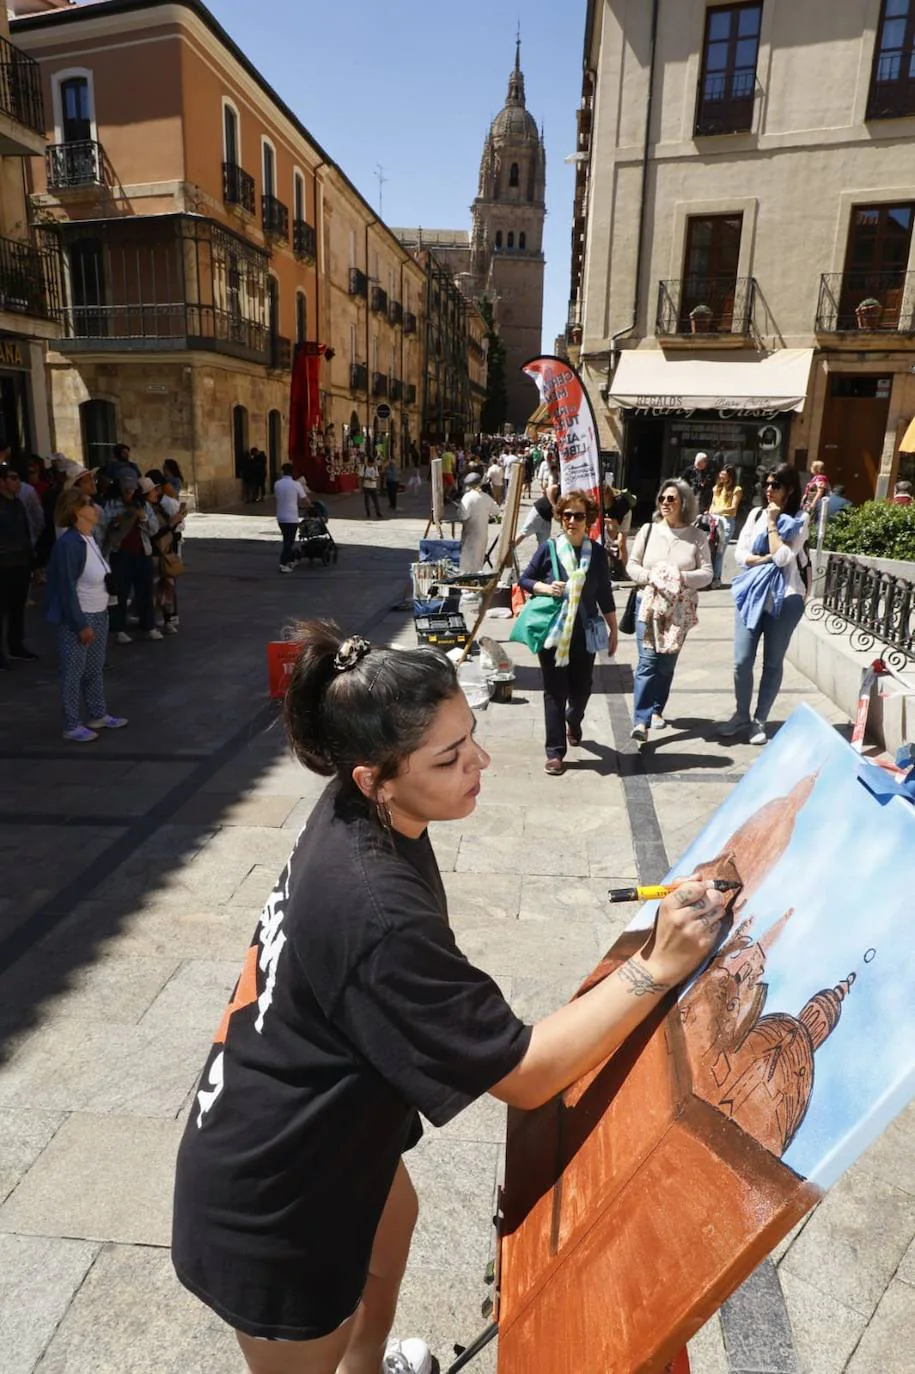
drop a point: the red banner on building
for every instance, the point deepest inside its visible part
(305, 416)
(572, 418)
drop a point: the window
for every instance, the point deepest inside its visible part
(86, 273)
(727, 87)
(98, 428)
(301, 317)
(239, 436)
(892, 91)
(75, 110)
(511, 239)
(273, 305)
(231, 142)
(298, 196)
(352, 249)
(876, 261)
(269, 168)
(498, 238)
(513, 175)
(522, 241)
(710, 271)
(352, 344)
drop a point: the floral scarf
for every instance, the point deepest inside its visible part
(560, 635)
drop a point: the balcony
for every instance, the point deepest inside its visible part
(238, 187)
(304, 240)
(358, 377)
(715, 307)
(29, 278)
(280, 359)
(358, 284)
(21, 105)
(892, 92)
(379, 384)
(395, 313)
(725, 104)
(876, 303)
(379, 301)
(275, 219)
(409, 323)
(76, 166)
(396, 389)
(410, 393)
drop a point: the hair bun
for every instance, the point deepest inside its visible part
(351, 652)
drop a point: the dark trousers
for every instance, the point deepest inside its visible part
(288, 531)
(371, 493)
(392, 495)
(566, 692)
(133, 572)
(14, 592)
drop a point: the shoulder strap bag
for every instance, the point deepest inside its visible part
(535, 620)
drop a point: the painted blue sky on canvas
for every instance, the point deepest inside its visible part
(848, 874)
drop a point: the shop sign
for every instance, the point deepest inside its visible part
(763, 408)
(11, 354)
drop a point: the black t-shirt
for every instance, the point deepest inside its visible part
(355, 1010)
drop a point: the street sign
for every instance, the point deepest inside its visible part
(383, 411)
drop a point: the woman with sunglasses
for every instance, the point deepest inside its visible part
(671, 561)
(772, 539)
(575, 570)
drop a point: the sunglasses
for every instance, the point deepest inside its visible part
(775, 486)
(574, 515)
(667, 500)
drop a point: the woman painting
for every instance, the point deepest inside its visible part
(76, 601)
(769, 595)
(356, 1011)
(671, 562)
(726, 499)
(573, 569)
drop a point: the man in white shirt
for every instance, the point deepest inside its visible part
(476, 511)
(289, 492)
(495, 476)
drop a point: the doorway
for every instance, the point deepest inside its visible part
(854, 431)
(274, 444)
(644, 448)
(15, 419)
(98, 427)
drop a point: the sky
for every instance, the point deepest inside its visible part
(847, 873)
(412, 85)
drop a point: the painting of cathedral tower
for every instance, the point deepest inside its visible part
(501, 257)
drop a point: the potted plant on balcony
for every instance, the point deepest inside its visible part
(700, 319)
(868, 312)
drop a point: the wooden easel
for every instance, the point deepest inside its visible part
(505, 551)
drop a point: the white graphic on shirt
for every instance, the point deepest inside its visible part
(205, 1099)
(272, 940)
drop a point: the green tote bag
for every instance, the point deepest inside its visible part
(536, 618)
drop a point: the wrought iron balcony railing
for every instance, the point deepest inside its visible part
(275, 219)
(25, 278)
(358, 283)
(396, 389)
(304, 240)
(280, 353)
(867, 302)
(706, 305)
(379, 300)
(20, 87)
(358, 377)
(71, 166)
(725, 104)
(395, 313)
(410, 394)
(238, 187)
(876, 608)
(379, 384)
(409, 322)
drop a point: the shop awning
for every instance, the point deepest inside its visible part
(646, 379)
(908, 441)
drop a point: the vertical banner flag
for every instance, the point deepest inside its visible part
(572, 418)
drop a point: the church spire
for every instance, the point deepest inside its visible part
(516, 80)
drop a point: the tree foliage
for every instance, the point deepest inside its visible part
(495, 406)
(877, 529)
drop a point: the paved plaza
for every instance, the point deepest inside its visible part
(134, 870)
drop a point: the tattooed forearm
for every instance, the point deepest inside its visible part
(641, 983)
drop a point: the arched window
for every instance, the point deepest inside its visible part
(511, 239)
(301, 317)
(498, 238)
(522, 241)
(513, 175)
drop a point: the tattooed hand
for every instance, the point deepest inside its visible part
(685, 931)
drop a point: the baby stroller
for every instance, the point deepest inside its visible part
(314, 539)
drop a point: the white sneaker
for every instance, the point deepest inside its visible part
(658, 723)
(758, 732)
(175, 620)
(411, 1356)
(640, 734)
(122, 637)
(154, 634)
(733, 726)
(286, 568)
(170, 628)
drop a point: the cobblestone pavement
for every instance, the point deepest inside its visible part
(133, 874)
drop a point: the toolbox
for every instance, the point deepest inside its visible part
(444, 630)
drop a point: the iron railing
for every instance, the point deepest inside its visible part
(20, 87)
(409, 322)
(280, 353)
(379, 384)
(24, 279)
(876, 607)
(379, 300)
(358, 282)
(725, 103)
(869, 302)
(238, 187)
(706, 305)
(358, 377)
(304, 240)
(73, 165)
(275, 218)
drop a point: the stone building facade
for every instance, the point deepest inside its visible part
(502, 255)
(743, 256)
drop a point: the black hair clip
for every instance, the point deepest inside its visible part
(351, 652)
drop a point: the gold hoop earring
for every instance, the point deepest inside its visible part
(384, 813)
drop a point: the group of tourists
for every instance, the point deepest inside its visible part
(102, 546)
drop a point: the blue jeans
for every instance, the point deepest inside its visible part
(775, 633)
(725, 532)
(653, 677)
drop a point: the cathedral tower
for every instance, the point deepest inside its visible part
(507, 237)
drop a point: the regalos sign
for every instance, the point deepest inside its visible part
(572, 418)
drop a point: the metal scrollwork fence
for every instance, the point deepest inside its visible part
(875, 608)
